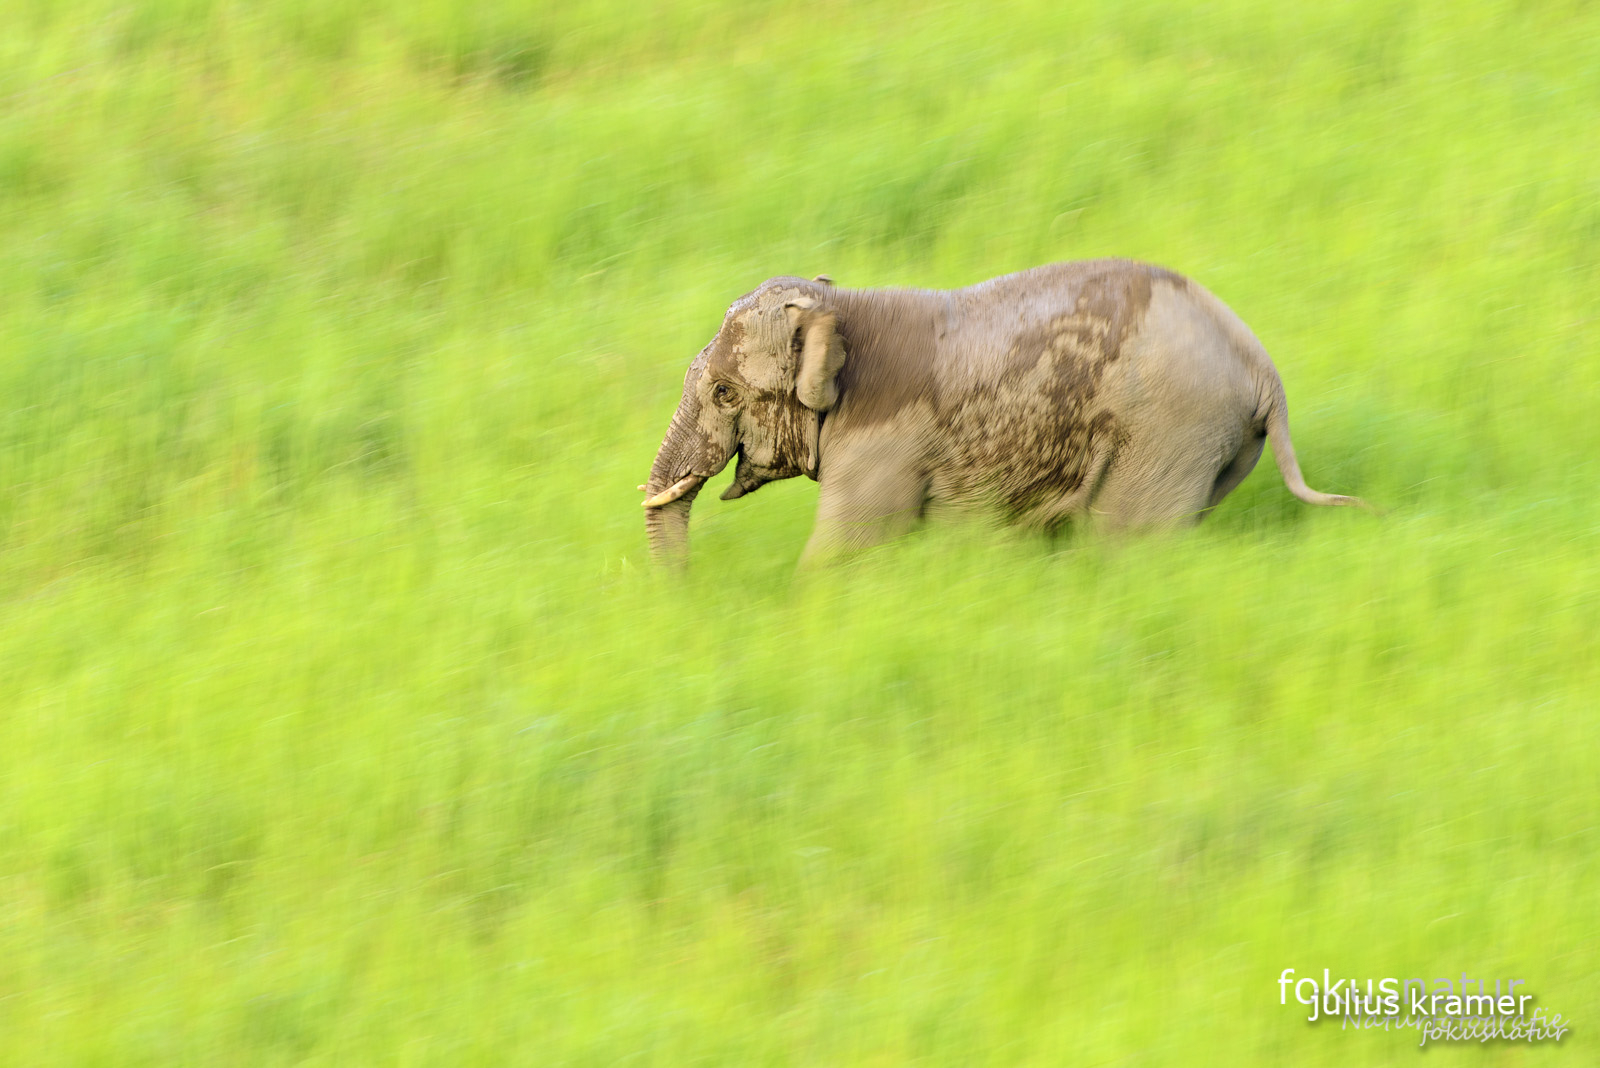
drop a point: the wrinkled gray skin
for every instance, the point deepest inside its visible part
(1103, 390)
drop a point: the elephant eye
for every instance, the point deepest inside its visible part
(723, 394)
(794, 341)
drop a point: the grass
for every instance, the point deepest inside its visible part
(344, 722)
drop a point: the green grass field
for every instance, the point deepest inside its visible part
(343, 720)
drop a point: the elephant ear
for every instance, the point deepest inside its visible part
(821, 354)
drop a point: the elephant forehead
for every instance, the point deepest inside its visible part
(748, 345)
(726, 351)
(732, 334)
(748, 310)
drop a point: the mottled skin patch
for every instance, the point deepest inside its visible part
(1103, 387)
(1026, 440)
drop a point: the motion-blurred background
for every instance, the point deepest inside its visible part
(342, 720)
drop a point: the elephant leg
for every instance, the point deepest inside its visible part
(1076, 503)
(1237, 470)
(865, 498)
(1161, 483)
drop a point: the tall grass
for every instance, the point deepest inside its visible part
(343, 721)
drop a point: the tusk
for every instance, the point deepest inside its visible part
(639, 488)
(673, 492)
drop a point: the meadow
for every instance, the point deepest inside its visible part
(343, 719)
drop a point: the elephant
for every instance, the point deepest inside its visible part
(1108, 391)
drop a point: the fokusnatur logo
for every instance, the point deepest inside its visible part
(1440, 1010)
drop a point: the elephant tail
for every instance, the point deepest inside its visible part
(1277, 427)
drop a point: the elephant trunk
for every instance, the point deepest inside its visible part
(668, 530)
(674, 483)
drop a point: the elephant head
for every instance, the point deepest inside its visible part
(759, 391)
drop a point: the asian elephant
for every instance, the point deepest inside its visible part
(1107, 390)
